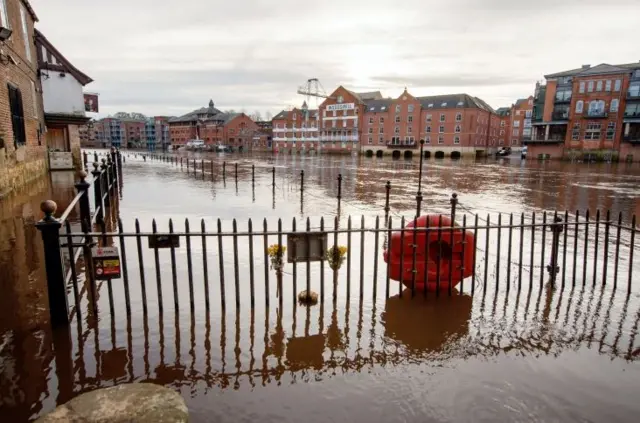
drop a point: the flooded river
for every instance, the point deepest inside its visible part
(365, 353)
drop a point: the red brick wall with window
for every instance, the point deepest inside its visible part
(18, 166)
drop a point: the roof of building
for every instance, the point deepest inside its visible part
(381, 105)
(194, 115)
(448, 101)
(30, 10)
(601, 69)
(370, 95)
(521, 100)
(41, 40)
(282, 115)
(503, 111)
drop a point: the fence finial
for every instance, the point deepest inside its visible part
(82, 175)
(48, 207)
(95, 166)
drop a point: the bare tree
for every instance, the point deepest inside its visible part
(256, 116)
(268, 116)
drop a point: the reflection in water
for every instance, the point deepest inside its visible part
(351, 349)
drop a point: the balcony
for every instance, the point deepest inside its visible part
(403, 146)
(562, 100)
(553, 139)
(633, 96)
(632, 138)
(595, 114)
(632, 115)
(560, 115)
(340, 138)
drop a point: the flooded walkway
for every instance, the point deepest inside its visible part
(533, 354)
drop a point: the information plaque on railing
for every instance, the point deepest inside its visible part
(106, 262)
(297, 243)
(164, 241)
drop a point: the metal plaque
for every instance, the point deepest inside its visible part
(164, 241)
(106, 262)
(297, 246)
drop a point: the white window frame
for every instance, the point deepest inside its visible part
(370, 120)
(528, 113)
(25, 32)
(599, 86)
(427, 139)
(440, 139)
(458, 117)
(396, 130)
(579, 106)
(409, 129)
(516, 133)
(611, 130)
(614, 106)
(516, 124)
(582, 87)
(575, 132)
(381, 130)
(4, 17)
(458, 129)
(618, 85)
(456, 139)
(442, 117)
(441, 129)
(381, 120)
(607, 86)
(410, 119)
(502, 124)
(429, 118)
(410, 108)
(370, 140)
(371, 130)
(381, 140)
(397, 118)
(592, 130)
(428, 130)
(590, 86)
(398, 108)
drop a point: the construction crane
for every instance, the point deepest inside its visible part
(313, 88)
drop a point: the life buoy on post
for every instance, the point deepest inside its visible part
(450, 251)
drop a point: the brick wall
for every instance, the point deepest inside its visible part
(23, 164)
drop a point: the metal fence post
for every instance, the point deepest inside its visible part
(49, 227)
(253, 174)
(553, 268)
(114, 168)
(301, 180)
(386, 201)
(339, 188)
(454, 204)
(83, 187)
(273, 177)
(95, 157)
(236, 169)
(419, 194)
(97, 191)
(85, 160)
(106, 183)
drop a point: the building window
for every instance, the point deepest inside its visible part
(442, 117)
(428, 118)
(370, 140)
(427, 139)
(528, 113)
(458, 129)
(502, 124)
(502, 132)
(444, 104)
(516, 123)
(398, 108)
(396, 130)
(370, 120)
(410, 119)
(607, 86)
(592, 131)
(381, 140)
(409, 129)
(4, 18)
(458, 117)
(599, 86)
(618, 85)
(579, 106)
(516, 132)
(440, 139)
(17, 116)
(397, 118)
(590, 85)
(614, 105)
(371, 130)
(582, 86)
(25, 32)
(344, 123)
(428, 129)
(381, 120)
(381, 130)
(410, 108)
(441, 129)
(611, 130)
(596, 107)
(456, 140)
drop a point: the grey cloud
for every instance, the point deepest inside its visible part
(456, 80)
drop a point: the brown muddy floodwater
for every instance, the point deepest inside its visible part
(534, 354)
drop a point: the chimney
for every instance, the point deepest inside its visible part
(586, 66)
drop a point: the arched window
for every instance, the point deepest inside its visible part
(458, 129)
(614, 105)
(579, 106)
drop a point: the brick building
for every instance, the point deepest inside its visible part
(157, 133)
(214, 127)
(22, 140)
(590, 112)
(516, 123)
(296, 129)
(349, 122)
(63, 102)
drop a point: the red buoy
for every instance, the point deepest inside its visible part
(438, 252)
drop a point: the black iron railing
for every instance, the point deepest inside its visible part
(230, 261)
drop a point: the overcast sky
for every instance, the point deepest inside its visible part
(168, 57)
